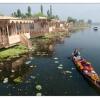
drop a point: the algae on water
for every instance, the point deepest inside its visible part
(18, 80)
(13, 52)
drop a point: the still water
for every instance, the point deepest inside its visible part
(53, 80)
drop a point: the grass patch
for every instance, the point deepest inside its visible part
(14, 51)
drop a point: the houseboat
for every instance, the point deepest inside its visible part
(14, 30)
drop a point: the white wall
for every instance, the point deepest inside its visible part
(14, 39)
(27, 35)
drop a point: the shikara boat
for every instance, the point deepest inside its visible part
(87, 70)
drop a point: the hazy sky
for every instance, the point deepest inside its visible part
(80, 11)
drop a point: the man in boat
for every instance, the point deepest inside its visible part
(76, 54)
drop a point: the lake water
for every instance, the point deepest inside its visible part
(55, 81)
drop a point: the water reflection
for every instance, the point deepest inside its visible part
(45, 46)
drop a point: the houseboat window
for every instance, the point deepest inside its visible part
(18, 27)
(31, 26)
(1, 31)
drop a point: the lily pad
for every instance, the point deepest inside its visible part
(69, 72)
(28, 62)
(0, 70)
(18, 80)
(38, 94)
(56, 62)
(73, 68)
(55, 58)
(12, 70)
(5, 80)
(60, 67)
(31, 66)
(38, 87)
(33, 77)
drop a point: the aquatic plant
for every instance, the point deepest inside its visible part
(55, 58)
(5, 80)
(69, 72)
(38, 87)
(27, 62)
(60, 67)
(33, 77)
(18, 79)
(56, 62)
(38, 94)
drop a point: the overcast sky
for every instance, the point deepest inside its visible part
(79, 11)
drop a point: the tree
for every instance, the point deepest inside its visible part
(41, 9)
(29, 11)
(39, 14)
(18, 13)
(55, 17)
(14, 14)
(23, 16)
(50, 10)
(70, 19)
(48, 13)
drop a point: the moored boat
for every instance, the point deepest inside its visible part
(86, 70)
(95, 28)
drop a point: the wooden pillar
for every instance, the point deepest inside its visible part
(7, 31)
(16, 27)
(24, 27)
(11, 29)
(29, 27)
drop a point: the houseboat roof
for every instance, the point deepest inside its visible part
(42, 17)
(7, 17)
(55, 20)
(16, 19)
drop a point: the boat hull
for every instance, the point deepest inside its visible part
(95, 83)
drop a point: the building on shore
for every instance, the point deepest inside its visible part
(15, 30)
(41, 26)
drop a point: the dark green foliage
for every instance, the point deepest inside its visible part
(41, 9)
(29, 14)
(70, 19)
(19, 13)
